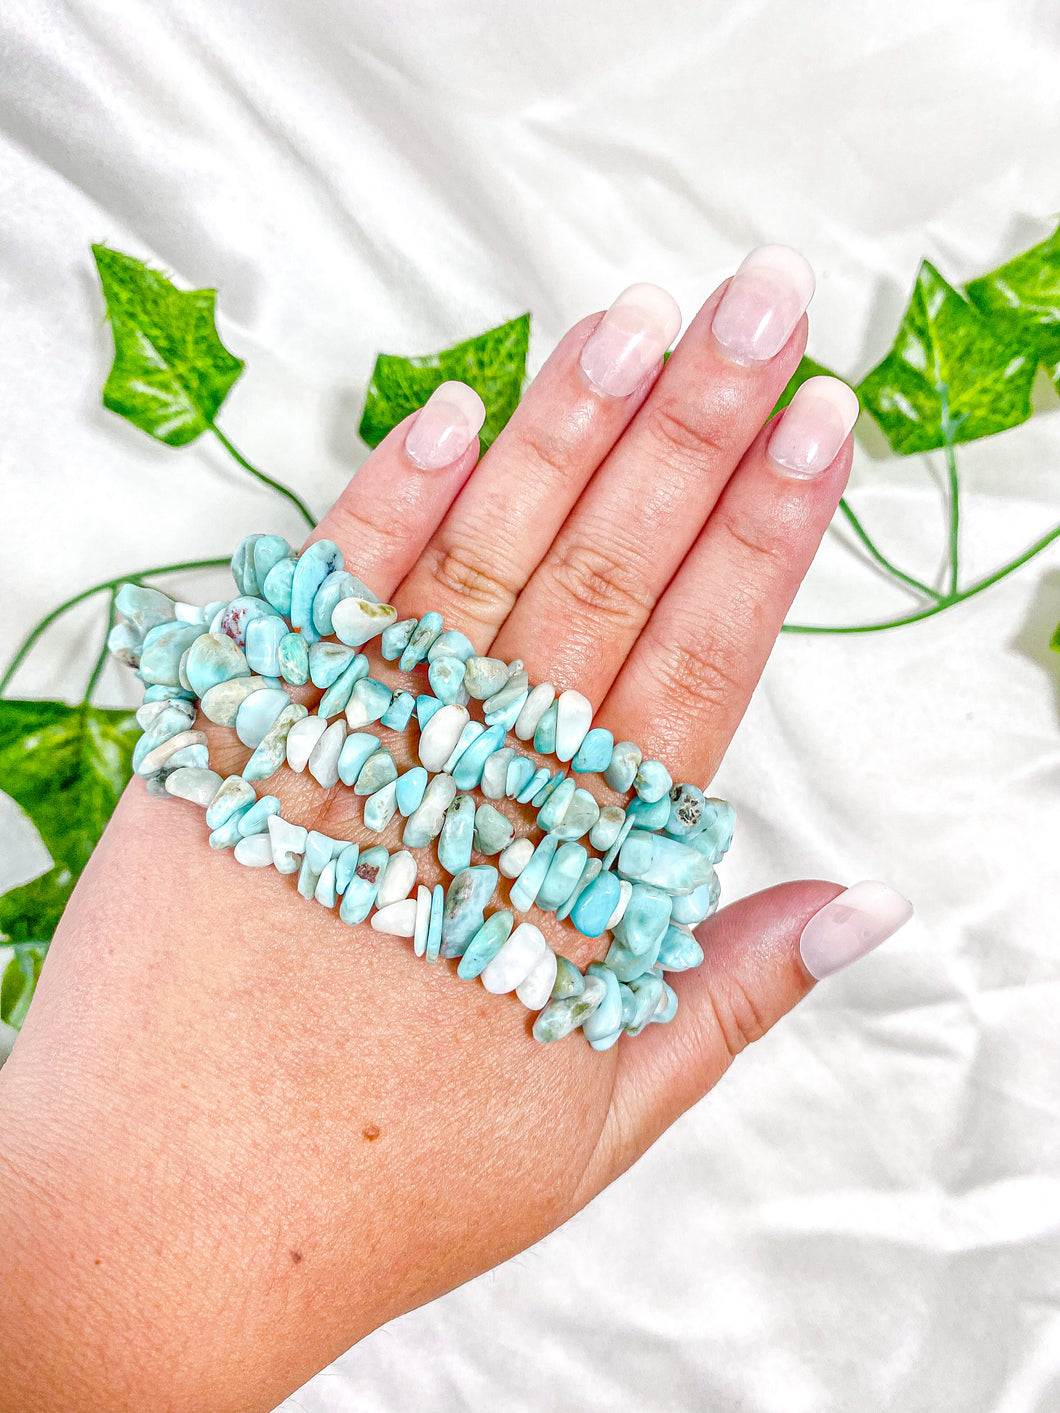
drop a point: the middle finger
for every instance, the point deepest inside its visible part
(587, 601)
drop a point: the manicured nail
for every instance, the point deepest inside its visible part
(813, 426)
(630, 339)
(766, 298)
(851, 925)
(445, 426)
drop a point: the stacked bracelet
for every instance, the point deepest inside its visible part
(642, 873)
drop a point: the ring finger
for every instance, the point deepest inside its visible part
(686, 685)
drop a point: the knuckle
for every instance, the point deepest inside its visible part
(762, 542)
(548, 448)
(601, 582)
(458, 571)
(703, 680)
(684, 434)
(354, 529)
(736, 1016)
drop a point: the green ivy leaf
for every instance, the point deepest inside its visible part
(951, 376)
(66, 767)
(20, 981)
(1022, 297)
(494, 364)
(807, 368)
(171, 371)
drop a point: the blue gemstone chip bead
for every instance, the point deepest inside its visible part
(485, 944)
(455, 840)
(314, 565)
(603, 1027)
(293, 658)
(594, 907)
(399, 713)
(278, 587)
(360, 892)
(652, 781)
(525, 889)
(427, 629)
(434, 925)
(594, 753)
(465, 906)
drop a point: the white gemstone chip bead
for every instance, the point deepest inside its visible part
(288, 842)
(398, 880)
(622, 904)
(221, 703)
(534, 708)
(325, 889)
(356, 621)
(254, 851)
(515, 857)
(439, 737)
(156, 759)
(535, 989)
(397, 919)
(257, 713)
(516, 959)
(301, 740)
(324, 758)
(194, 783)
(423, 920)
(190, 613)
(574, 716)
(147, 713)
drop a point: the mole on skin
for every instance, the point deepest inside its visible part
(370, 1131)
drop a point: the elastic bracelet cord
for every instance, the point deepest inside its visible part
(301, 619)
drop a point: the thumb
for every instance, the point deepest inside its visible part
(761, 956)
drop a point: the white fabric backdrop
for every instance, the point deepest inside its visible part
(865, 1215)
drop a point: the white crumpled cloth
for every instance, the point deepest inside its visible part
(865, 1215)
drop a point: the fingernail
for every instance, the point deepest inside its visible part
(445, 426)
(766, 298)
(630, 339)
(851, 925)
(813, 426)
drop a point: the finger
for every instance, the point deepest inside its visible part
(510, 511)
(762, 956)
(686, 684)
(590, 597)
(399, 495)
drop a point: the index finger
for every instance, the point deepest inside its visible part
(399, 496)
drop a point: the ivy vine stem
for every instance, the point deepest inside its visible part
(104, 651)
(111, 584)
(955, 515)
(949, 438)
(881, 559)
(948, 602)
(277, 486)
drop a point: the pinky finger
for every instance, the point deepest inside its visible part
(403, 491)
(763, 954)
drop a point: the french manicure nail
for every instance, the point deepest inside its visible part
(813, 426)
(445, 426)
(630, 339)
(766, 298)
(851, 925)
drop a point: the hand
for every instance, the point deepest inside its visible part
(240, 1134)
